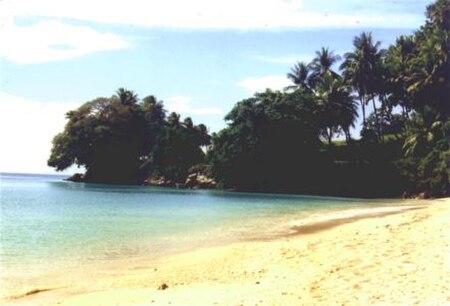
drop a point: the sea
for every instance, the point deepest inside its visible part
(48, 224)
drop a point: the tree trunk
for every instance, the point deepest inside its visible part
(329, 135)
(363, 107)
(377, 120)
(348, 138)
(386, 112)
(405, 130)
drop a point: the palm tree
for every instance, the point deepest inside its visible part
(361, 69)
(397, 65)
(347, 111)
(203, 136)
(423, 135)
(337, 107)
(153, 109)
(173, 120)
(322, 64)
(429, 75)
(187, 122)
(299, 75)
(126, 97)
(438, 15)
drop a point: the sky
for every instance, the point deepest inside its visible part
(199, 56)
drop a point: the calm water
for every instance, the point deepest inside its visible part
(46, 223)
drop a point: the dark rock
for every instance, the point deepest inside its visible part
(163, 286)
(77, 177)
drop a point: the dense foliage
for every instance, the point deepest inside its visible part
(123, 140)
(271, 138)
(287, 141)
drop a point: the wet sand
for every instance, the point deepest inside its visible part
(392, 256)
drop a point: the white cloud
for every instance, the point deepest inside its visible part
(26, 130)
(182, 104)
(211, 14)
(53, 40)
(259, 84)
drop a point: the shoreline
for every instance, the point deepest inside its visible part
(68, 178)
(363, 260)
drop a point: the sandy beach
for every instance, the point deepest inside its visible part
(396, 256)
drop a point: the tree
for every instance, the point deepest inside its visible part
(427, 78)
(178, 149)
(122, 140)
(299, 75)
(173, 120)
(204, 139)
(337, 107)
(126, 97)
(271, 143)
(428, 149)
(106, 136)
(154, 110)
(438, 15)
(397, 65)
(429, 75)
(360, 69)
(321, 66)
(188, 123)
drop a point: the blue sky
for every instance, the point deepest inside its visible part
(199, 56)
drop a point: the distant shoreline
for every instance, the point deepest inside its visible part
(67, 177)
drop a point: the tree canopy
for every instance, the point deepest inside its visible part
(124, 140)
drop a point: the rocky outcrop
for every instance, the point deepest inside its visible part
(196, 180)
(159, 181)
(200, 181)
(193, 181)
(77, 177)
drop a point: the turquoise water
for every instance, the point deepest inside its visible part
(48, 223)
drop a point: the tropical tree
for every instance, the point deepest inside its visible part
(397, 69)
(154, 110)
(204, 139)
(107, 136)
(271, 143)
(178, 151)
(361, 69)
(429, 77)
(337, 107)
(173, 120)
(300, 76)
(438, 15)
(123, 140)
(321, 66)
(187, 123)
(428, 149)
(126, 97)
